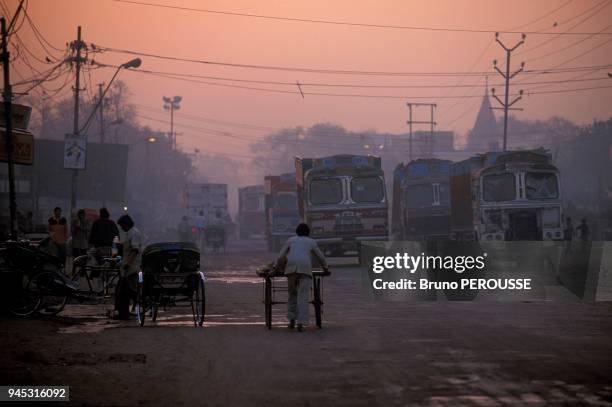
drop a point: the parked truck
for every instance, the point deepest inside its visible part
(281, 209)
(251, 210)
(344, 201)
(513, 195)
(421, 200)
(210, 199)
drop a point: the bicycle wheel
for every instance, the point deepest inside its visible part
(25, 302)
(52, 289)
(198, 301)
(140, 304)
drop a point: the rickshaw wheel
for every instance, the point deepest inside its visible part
(140, 304)
(198, 302)
(27, 301)
(268, 303)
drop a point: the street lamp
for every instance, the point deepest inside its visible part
(134, 63)
(172, 104)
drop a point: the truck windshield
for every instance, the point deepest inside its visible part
(499, 187)
(367, 190)
(251, 203)
(419, 196)
(325, 191)
(285, 200)
(541, 185)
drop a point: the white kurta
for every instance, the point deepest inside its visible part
(298, 250)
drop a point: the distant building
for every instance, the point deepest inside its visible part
(47, 184)
(485, 135)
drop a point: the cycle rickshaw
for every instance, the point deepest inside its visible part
(170, 273)
(275, 282)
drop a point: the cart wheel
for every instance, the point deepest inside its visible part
(140, 303)
(268, 303)
(318, 304)
(51, 290)
(26, 301)
(198, 301)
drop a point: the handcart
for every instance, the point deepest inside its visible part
(275, 282)
(170, 273)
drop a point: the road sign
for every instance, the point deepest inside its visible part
(75, 152)
(23, 147)
(20, 115)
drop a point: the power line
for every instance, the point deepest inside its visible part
(307, 70)
(599, 7)
(281, 91)
(337, 22)
(315, 84)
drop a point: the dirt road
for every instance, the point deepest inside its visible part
(367, 354)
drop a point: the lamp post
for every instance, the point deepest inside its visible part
(134, 63)
(172, 104)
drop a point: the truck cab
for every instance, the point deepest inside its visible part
(512, 195)
(343, 199)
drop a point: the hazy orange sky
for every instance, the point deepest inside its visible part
(246, 40)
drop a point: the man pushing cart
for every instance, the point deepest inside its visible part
(296, 257)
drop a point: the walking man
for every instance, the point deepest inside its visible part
(132, 249)
(297, 251)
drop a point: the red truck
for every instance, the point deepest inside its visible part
(281, 209)
(344, 201)
(421, 200)
(513, 195)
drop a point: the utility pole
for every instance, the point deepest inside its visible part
(8, 120)
(76, 48)
(8, 94)
(431, 122)
(101, 96)
(506, 105)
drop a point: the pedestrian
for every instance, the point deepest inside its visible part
(58, 232)
(568, 234)
(128, 279)
(102, 233)
(297, 253)
(200, 224)
(80, 228)
(583, 230)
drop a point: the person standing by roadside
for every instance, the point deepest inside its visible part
(58, 232)
(80, 234)
(102, 233)
(200, 224)
(583, 230)
(132, 250)
(297, 251)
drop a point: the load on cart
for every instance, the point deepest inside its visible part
(170, 274)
